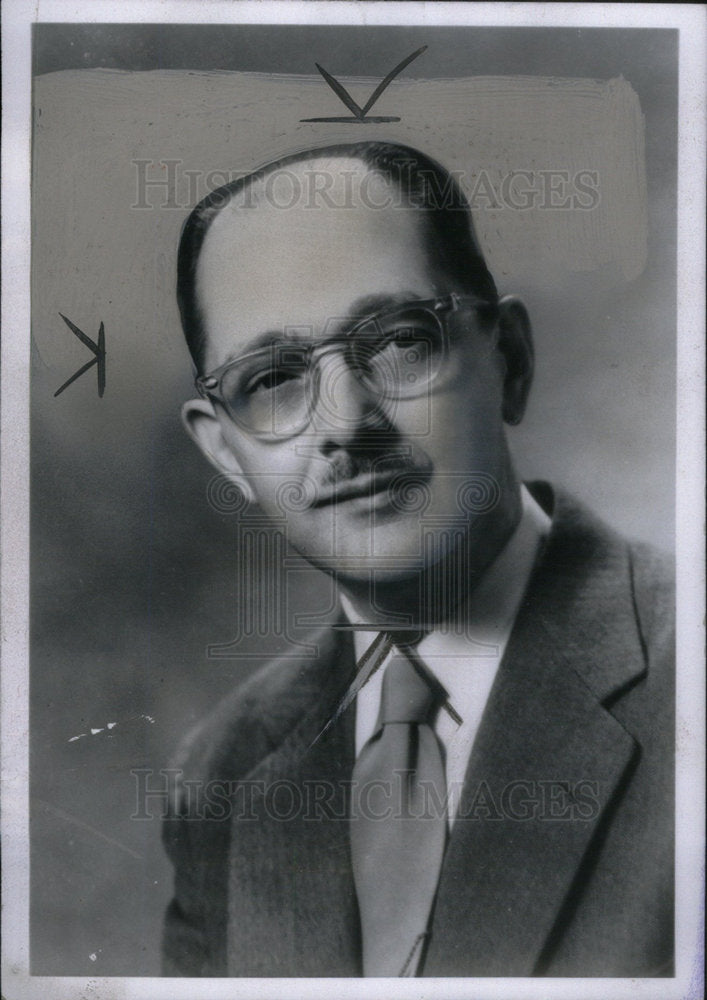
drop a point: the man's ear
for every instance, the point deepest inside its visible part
(516, 345)
(204, 428)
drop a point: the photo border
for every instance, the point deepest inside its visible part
(690, 469)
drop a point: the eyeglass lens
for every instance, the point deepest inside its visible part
(394, 356)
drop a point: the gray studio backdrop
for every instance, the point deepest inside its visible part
(135, 547)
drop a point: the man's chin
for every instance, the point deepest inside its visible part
(370, 557)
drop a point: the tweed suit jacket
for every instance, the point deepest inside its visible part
(560, 862)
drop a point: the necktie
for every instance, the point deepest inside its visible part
(398, 828)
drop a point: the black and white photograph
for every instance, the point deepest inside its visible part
(353, 465)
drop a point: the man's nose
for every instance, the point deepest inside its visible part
(345, 406)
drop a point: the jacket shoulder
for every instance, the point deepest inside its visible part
(653, 580)
(610, 599)
(591, 550)
(254, 718)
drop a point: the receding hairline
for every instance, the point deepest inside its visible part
(331, 159)
(309, 162)
(255, 185)
(387, 159)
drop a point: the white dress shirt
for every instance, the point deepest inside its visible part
(464, 656)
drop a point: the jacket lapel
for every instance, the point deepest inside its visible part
(292, 903)
(519, 840)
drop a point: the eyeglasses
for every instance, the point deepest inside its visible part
(394, 354)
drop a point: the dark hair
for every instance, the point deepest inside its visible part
(426, 184)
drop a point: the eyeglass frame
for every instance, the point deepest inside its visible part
(209, 385)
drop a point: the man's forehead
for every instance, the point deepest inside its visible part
(310, 195)
(269, 264)
(319, 181)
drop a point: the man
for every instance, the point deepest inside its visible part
(475, 769)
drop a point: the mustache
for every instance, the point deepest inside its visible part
(351, 465)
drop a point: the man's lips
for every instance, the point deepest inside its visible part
(369, 485)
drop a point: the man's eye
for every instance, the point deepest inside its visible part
(400, 337)
(408, 335)
(268, 380)
(411, 342)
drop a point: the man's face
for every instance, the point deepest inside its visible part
(372, 481)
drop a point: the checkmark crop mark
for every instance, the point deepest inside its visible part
(345, 97)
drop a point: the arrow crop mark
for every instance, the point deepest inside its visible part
(99, 356)
(345, 97)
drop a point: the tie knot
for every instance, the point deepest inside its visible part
(406, 696)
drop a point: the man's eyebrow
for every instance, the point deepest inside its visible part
(270, 338)
(364, 306)
(368, 305)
